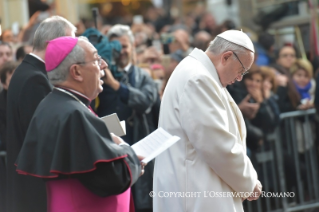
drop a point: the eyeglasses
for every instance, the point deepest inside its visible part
(246, 71)
(288, 55)
(98, 60)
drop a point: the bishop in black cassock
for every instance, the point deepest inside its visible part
(69, 147)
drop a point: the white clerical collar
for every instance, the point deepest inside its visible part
(80, 94)
(127, 68)
(74, 91)
(206, 61)
(36, 56)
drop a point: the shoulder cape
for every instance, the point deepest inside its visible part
(64, 137)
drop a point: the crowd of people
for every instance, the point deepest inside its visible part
(278, 81)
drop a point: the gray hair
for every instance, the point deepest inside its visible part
(50, 29)
(61, 73)
(119, 30)
(220, 45)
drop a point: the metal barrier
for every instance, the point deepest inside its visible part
(287, 162)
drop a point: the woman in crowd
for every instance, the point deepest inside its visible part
(302, 73)
(253, 90)
(286, 57)
(288, 97)
(259, 84)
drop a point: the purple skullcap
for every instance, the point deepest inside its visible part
(57, 50)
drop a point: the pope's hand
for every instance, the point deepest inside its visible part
(256, 192)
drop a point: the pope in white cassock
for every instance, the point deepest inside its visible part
(211, 156)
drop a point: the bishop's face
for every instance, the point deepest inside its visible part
(92, 83)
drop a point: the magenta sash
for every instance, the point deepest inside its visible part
(69, 195)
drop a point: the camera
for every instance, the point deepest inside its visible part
(109, 50)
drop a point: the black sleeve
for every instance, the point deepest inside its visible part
(267, 117)
(33, 92)
(237, 91)
(3, 130)
(143, 98)
(254, 135)
(111, 178)
(283, 100)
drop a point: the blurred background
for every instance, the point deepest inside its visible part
(282, 114)
(290, 21)
(279, 17)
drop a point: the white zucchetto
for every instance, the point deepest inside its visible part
(238, 37)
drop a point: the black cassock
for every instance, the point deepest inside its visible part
(65, 139)
(28, 86)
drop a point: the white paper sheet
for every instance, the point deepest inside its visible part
(154, 144)
(114, 125)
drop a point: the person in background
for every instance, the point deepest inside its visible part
(28, 86)
(158, 75)
(131, 93)
(288, 97)
(302, 76)
(5, 53)
(22, 51)
(270, 84)
(180, 41)
(286, 57)
(265, 48)
(37, 16)
(302, 73)
(208, 23)
(316, 75)
(151, 56)
(7, 36)
(267, 117)
(227, 25)
(6, 72)
(175, 58)
(201, 40)
(158, 71)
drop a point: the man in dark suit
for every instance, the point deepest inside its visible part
(131, 93)
(6, 71)
(28, 86)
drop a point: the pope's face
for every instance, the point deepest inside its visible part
(234, 67)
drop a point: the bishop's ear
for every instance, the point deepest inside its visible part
(76, 72)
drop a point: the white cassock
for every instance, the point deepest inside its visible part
(211, 155)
